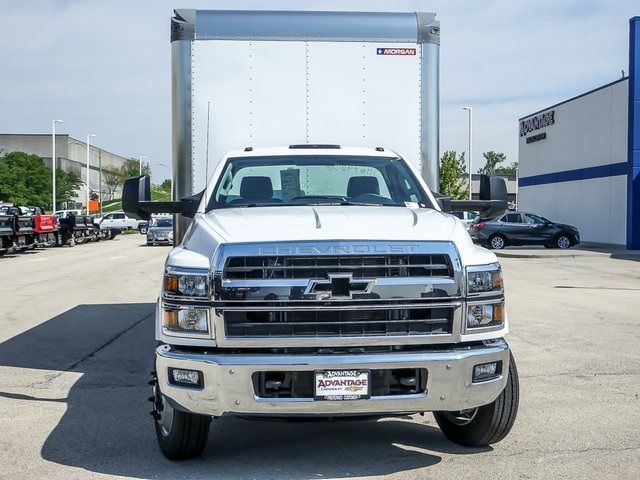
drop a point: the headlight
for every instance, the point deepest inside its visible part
(192, 284)
(485, 316)
(484, 280)
(185, 320)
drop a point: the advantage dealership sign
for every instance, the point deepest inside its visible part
(536, 123)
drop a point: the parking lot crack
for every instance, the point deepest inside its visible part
(108, 342)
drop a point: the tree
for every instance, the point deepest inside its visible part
(26, 180)
(452, 172)
(131, 168)
(510, 170)
(492, 159)
(161, 192)
(67, 185)
(112, 181)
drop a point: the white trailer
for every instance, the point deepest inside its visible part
(262, 78)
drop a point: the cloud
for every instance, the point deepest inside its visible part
(104, 67)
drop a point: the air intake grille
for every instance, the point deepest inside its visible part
(319, 267)
(327, 322)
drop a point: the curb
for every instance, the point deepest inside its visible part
(504, 254)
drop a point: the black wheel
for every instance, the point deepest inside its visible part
(497, 241)
(112, 234)
(143, 230)
(562, 241)
(482, 426)
(180, 435)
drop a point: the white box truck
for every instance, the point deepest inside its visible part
(315, 273)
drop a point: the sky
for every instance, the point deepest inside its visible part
(103, 66)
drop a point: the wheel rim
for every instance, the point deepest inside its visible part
(497, 242)
(164, 413)
(563, 242)
(463, 417)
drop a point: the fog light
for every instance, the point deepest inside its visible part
(486, 371)
(185, 378)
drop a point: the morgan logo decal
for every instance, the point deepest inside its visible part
(395, 51)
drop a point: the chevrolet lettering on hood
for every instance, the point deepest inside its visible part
(357, 248)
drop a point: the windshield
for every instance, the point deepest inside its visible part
(317, 180)
(162, 222)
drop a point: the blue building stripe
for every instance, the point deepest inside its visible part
(633, 182)
(600, 171)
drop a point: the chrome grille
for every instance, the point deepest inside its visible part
(366, 321)
(337, 294)
(319, 266)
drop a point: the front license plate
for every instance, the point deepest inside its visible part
(342, 385)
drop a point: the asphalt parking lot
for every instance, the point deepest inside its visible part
(76, 346)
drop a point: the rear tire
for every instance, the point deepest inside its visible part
(180, 435)
(497, 242)
(487, 424)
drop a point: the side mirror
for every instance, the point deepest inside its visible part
(493, 188)
(134, 191)
(136, 200)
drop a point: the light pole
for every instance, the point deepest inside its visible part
(53, 161)
(469, 109)
(89, 135)
(140, 163)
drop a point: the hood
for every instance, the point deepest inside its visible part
(160, 229)
(265, 224)
(565, 226)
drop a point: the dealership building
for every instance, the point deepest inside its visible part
(579, 160)
(71, 156)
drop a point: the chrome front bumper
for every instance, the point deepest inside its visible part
(228, 387)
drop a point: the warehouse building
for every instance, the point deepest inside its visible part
(579, 160)
(71, 156)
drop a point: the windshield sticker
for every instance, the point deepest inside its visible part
(412, 205)
(290, 180)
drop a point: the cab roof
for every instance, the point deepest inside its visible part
(313, 149)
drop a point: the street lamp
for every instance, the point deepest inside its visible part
(89, 135)
(140, 163)
(469, 109)
(53, 161)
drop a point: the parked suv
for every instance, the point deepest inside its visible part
(522, 228)
(117, 220)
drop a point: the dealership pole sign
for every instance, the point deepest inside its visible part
(537, 122)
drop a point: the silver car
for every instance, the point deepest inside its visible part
(160, 231)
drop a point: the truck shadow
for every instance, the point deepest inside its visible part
(107, 427)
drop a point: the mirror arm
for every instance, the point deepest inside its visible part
(486, 208)
(160, 207)
(187, 207)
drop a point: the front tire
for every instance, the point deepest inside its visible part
(497, 242)
(484, 425)
(562, 241)
(180, 435)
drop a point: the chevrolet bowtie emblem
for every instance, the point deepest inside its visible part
(338, 285)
